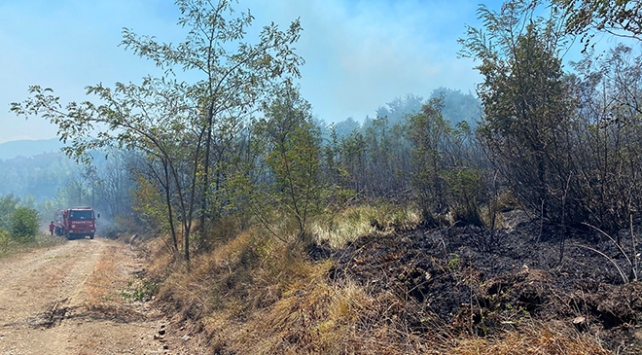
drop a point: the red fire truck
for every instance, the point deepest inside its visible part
(75, 222)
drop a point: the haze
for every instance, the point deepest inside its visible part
(359, 54)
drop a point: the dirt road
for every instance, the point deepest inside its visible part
(68, 300)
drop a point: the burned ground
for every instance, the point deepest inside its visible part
(462, 281)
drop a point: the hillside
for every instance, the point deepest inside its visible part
(401, 288)
(29, 148)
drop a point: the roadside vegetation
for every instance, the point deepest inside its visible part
(501, 224)
(20, 227)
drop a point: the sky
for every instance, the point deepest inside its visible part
(359, 54)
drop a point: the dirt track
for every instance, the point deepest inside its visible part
(68, 300)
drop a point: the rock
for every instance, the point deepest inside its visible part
(186, 337)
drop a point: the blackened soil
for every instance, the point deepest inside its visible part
(469, 281)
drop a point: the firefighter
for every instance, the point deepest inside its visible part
(51, 227)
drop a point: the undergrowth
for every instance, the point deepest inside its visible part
(10, 245)
(255, 294)
(355, 221)
(140, 289)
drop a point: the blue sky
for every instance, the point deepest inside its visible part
(359, 54)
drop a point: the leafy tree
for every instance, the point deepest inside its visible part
(346, 127)
(427, 131)
(621, 18)
(396, 110)
(173, 122)
(352, 162)
(458, 106)
(150, 209)
(385, 159)
(526, 107)
(294, 153)
(464, 174)
(24, 223)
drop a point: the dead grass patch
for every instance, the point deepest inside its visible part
(257, 295)
(535, 339)
(9, 246)
(357, 221)
(99, 285)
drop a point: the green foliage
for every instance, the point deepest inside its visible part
(8, 205)
(294, 153)
(458, 107)
(466, 186)
(4, 241)
(620, 18)
(140, 289)
(526, 126)
(24, 223)
(427, 132)
(184, 131)
(149, 207)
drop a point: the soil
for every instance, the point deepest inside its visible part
(68, 299)
(465, 282)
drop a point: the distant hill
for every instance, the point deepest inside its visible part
(29, 148)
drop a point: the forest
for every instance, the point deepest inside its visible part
(508, 216)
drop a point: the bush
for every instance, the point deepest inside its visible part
(24, 224)
(4, 241)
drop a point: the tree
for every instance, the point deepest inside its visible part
(172, 121)
(609, 149)
(352, 162)
(396, 110)
(294, 154)
(426, 132)
(622, 18)
(463, 174)
(24, 223)
(458, 106)
(526, 107)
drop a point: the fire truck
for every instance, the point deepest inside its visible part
(75, 222)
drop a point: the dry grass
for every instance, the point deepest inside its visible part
(10, 246)
(538, 339)
(98, 286)
(257, 295)
(357, 221)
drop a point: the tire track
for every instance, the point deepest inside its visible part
(68, 300)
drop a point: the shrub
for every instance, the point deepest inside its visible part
(4, 241)
(24, 224)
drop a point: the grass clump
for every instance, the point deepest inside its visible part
(4, 242)
(257, 294)
(9, 245)
(140, 289)
(536, 339)
(356, 221)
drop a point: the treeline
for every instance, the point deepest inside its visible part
(241, 141)
(49, 182)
